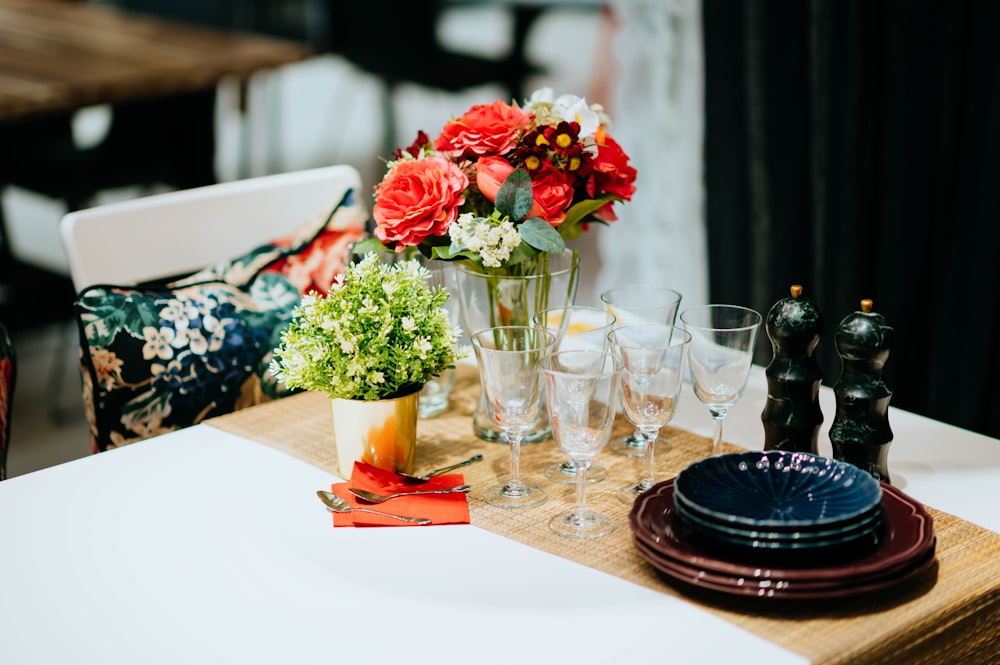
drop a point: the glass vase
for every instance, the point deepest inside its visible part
(511, 297)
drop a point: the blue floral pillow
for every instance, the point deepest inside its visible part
(158, 358)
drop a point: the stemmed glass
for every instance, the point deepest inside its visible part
(637, 304)
(580, 388)
(722, 342)
(508, 358)
(653, 370)
(576, 328)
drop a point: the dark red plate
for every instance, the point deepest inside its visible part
(783, 589)
(905, 540)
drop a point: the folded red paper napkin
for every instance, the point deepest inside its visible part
(439, 508)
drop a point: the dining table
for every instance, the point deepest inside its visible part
(208, 544)
(63, 56)
(58, 55)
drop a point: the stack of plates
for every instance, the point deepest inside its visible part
(900, 546)
(780, 505)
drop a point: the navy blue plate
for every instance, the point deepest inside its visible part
(779, 490)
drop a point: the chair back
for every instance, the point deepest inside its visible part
(167, 235)
(8, 377)
(159, 353)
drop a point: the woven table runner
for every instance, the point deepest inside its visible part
(950, 613)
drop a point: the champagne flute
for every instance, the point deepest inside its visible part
(576, 328)
(508, 358)
(637, 304)
(653, 370)
(721, 352)
(580, 389)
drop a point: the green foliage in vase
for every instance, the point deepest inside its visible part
(382, 332)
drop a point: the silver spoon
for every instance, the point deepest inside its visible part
(437, 472)
(339, 505)
(372, 497)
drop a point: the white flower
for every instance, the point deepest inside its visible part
(492, 240)
(541, 96)
(158, 343)
(575, 109)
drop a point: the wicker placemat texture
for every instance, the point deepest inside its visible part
(950, 613)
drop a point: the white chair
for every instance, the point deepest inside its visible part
(164, 236)
(172, 234)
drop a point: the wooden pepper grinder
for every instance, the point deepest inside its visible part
(860, 433)
(792, 416)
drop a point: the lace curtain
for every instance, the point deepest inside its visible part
(658, 114)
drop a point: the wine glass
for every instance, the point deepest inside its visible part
(721, 352)
(580, 389)
(653, 370)
(576, 328)
(508, 358)
(637, 304)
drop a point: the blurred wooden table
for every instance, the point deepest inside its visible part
(57, 55)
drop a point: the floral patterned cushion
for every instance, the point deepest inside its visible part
(158, 358)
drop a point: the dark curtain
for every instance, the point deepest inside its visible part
(853, 147)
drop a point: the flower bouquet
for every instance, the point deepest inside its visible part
(500, 191)
(371, 344)
(502, 186)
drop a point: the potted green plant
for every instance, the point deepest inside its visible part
(370, 345)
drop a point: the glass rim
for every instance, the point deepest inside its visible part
(686, 337)
(617, 362)
(574, 266)
(580, 308)
(474, 338)
(720, 307)
(651, 287)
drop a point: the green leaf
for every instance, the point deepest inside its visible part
(580, 212)
(514, 197)
(520, 254)
(367, 245)
(453, 252)
(539, 234)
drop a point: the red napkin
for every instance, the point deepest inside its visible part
(439, 508)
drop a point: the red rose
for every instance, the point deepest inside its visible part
(612, 174)
(550, 188)
(485, 129)
(553, 194)
(417, 199)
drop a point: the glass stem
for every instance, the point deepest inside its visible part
(648, 475)
(514, 436)
(581, 485)
(718, 415)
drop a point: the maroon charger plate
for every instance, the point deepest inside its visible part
(905, 547)
(783, 589)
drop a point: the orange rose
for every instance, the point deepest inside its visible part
(490, 174)
(485, 129)
(550, 189)
(417, 199)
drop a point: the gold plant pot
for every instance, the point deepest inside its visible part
(382, 433)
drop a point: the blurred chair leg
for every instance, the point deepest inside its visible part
(64, 340)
